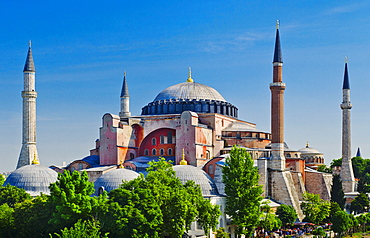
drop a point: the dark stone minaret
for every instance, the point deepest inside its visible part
(277, 88)
(29, 95)
(346, 174)
(125, 99)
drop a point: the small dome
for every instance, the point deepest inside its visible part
(309, 150)
(112, 179)
(189, 172)
(35, 179)
(190, 91)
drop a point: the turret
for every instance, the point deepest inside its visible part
(125, 99)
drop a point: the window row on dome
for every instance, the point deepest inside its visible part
(165, 107)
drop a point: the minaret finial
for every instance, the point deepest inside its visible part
(124, 73)
(189, 76)
(183, 161)
(346, 59)
(30, 43)
(277, 24)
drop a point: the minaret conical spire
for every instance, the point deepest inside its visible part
(358, 154)
(125, 99)
(29, 65)
(346, 78)
(278, 56)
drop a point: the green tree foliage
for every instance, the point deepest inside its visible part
(337, 194)
(314, 208)
(341, 222)
(70, 195)
(2, 179)
(324, 168)
(6, 221)
(12, 195)
(32, 216)
(319, 232)
(82, 229)
(268, 220)
(242, 190)
(157, 206)
(360, 204)
(221, 233)
(287, 214)
(336, 162)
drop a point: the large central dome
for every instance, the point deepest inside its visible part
(189, 96)
(190, 91)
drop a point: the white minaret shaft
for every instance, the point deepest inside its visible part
(125, 99)
(29, 95)
(346, 174)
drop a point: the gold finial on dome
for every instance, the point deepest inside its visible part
(307, 146)
(190, 80)
(183, 161)
(35, 160)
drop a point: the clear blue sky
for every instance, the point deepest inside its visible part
(81, 49)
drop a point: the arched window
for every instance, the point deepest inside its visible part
(161, 151)
(146, 152)
(154, 141)
(132, 156)
(207, 154)
(154, 151)
(161, 139)
(80, 166)
(169, 151)
(288, 155)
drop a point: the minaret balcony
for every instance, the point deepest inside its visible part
(29, 94)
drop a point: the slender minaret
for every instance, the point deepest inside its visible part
(277, 87)
(125, 99)
(346, 174)
(29, 95)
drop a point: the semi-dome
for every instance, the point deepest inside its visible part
(112, 179)
(189, 172)
(35, 179)
(190, 96)
(189, 91)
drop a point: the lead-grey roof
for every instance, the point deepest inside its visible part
(35, 179)
(190, 91)
(112, 179)
(29, 65)
(189, 172)
(240, 126)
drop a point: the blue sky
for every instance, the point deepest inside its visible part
(81, 49)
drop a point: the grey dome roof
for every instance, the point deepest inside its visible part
(35, 179)
(189, 90)
(189, 172)
(112, 179)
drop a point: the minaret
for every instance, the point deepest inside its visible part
(277, 87)
(346, 174)
(29, 95)
(125, 99)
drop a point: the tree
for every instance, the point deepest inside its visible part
(71, 197)
(2, 179)
(324, 168)
(319, 232)
(337, 194)
(82, 229)
(314, 208)
(156, 206)
(286, 214)
(336, 162)
(31, 217)
(221, 233)
(341, 222)
(268, 220)
(6, 220)
(12, 195)
(243, 192)
(360, 203)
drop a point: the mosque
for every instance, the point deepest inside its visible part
(194, 126)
